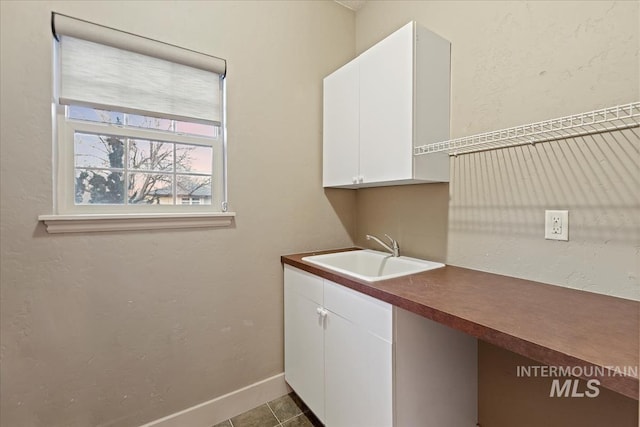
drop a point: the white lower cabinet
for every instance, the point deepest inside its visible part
(360, 362)
(357, 359)
(338, 351)
(304, 338)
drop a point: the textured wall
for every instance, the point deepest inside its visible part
(515, 63)
(121, 328)
(415, 215)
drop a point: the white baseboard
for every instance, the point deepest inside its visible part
(209, 413)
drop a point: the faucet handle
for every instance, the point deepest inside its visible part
(393, 241)
(394, 245)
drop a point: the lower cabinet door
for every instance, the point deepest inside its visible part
(358, 380)
(304, 349)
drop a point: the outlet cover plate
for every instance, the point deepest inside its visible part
(556, 225)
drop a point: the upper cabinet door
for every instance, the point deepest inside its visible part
(340, 127)
(386, 108)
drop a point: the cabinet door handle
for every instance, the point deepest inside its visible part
(354, 179)
(361, 179)
(321, 311)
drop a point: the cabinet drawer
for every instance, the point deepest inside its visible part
(303, 283)
(371, 314)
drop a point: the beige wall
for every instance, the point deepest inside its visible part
(102, 329)
(121, 328)
(514, 63)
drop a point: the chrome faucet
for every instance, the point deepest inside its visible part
(394, 249)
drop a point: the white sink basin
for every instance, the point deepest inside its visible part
(371, 265)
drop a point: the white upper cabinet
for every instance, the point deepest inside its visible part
(386, 108)
(389, 99)
(340, 126)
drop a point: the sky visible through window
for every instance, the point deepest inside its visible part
(126, 170)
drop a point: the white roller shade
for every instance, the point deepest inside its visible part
(121, 78)
(63, 25)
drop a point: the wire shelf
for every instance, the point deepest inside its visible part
(598, 121)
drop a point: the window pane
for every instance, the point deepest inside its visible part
(194, 188)
(191, 200)
(98, 151)
(148, 122)
(150, 188)
(94, 115)
(197, 129)
(98, 187)
(193, 158)
(150, 155)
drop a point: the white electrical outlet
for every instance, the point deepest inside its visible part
(556, 225)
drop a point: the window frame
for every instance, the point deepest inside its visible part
(65, 176)
(67, 217)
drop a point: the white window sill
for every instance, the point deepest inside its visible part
(80, 223)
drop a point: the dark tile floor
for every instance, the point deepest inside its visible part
(285, 411)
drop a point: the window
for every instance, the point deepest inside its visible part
(139, 125)
(123, 159)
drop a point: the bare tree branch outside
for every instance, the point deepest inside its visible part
(157, 171)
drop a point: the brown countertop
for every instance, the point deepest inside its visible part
(553, 325)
